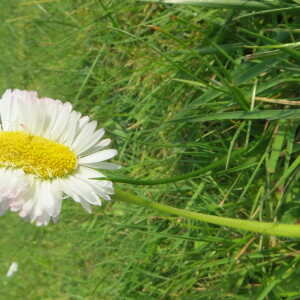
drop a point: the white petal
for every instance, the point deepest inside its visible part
(102, 165)
(85, 133)
(97, 147)
(90, 141)
(81, 190)
(98, 156)
(86, 206)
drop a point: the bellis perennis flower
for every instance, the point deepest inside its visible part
(48, 152)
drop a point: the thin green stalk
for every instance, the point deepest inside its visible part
(217, 164)
(231, 4)
(253, 226)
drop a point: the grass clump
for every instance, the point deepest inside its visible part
(177, 87)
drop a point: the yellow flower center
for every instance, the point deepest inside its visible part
(36, 155)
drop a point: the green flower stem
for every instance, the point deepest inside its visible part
(254, 226)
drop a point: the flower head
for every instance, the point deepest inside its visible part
(49, 152)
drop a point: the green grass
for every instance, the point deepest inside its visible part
(177, 87)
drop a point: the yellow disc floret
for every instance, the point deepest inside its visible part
(36, 155)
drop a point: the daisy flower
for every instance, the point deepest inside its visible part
(49, 152)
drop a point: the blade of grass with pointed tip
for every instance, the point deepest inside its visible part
(242, 115)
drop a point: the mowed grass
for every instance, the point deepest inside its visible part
(176, 87)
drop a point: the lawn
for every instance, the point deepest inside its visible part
(178, 88)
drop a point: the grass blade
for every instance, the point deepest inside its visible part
(231, 4)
